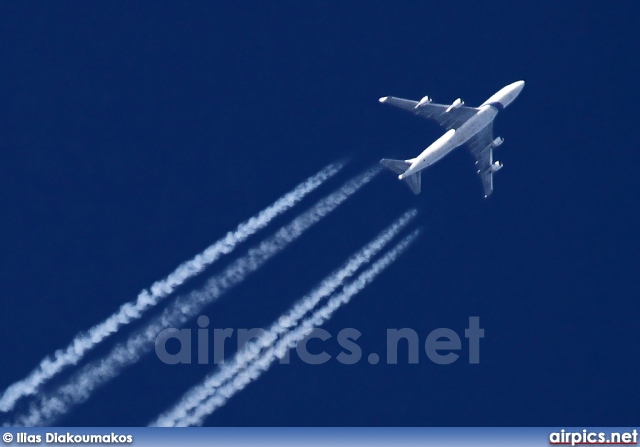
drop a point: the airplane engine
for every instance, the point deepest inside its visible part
(496, 166)
(457, 103)
(423, 101)
(497, 142)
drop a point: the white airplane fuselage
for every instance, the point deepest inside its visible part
(457, 137)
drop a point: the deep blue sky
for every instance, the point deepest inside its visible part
(132, 135)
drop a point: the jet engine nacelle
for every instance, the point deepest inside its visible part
(496, 166)
(497, 142)
(457, 103)
(423, 101)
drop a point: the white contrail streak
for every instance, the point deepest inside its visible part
(300, 309)
(47, 408)
(85, 341)
(218, 397)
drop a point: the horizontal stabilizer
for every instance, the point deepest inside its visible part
(414, 182)
(397, 166)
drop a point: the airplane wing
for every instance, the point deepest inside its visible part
(437, 112)
(481, 146)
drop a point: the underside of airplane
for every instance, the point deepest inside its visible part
(470, 126)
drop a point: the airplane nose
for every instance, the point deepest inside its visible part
(514, 90)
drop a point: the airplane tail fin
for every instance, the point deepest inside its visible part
(400, 166)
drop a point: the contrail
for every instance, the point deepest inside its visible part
(93, 375)
(300, 309)
(85, 341)
(217, 397)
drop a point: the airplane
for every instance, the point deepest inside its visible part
(472, 126)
